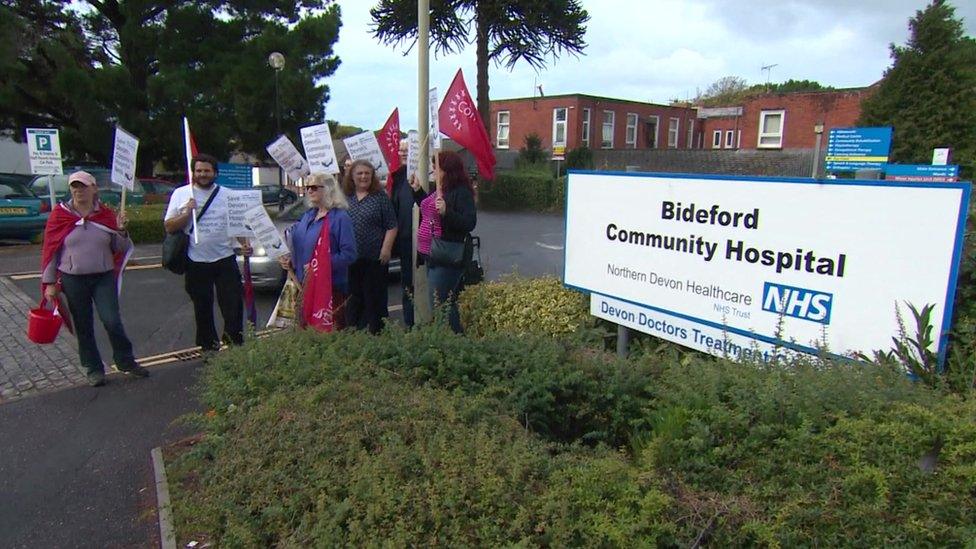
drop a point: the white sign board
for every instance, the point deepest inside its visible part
(238, 203)
(413, 152)
(287, 156)
(44, 149)
(743, 267)
(365, 146)
(435, 126)
(940, 157)
(124, 159)
(317, 141)
(265, 232)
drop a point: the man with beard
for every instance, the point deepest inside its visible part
(210, 263)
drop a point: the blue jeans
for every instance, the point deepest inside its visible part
(83, 290)
(444, 285)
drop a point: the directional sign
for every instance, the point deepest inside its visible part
(44, 148)
(235, 176)
(922, 172)
(850, 149)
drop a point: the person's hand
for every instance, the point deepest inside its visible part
(190, 204)
(414, 182)
(385, 256)
(285, 262)
(122, 220)
(441, 205)
(51, 292)
(246, 249)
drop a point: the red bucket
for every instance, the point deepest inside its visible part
(43, 324)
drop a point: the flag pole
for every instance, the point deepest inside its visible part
(122, 205)
(421, 305)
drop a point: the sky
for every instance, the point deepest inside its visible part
(643, 50)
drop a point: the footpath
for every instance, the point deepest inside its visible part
(25, 367)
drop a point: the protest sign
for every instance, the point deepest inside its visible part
(124, 158)
(319, 151)
(265, 232)
(365, 146)
(435, 126)
(238, 203)
(287, 156)
(413, 152)
(44, 149)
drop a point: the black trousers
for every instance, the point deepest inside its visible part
(367, 295)
(201, 279)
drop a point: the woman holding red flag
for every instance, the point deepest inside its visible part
(85, 248)
(322, 245)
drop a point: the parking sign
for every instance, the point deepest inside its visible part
(44, 149)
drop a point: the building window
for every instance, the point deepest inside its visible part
(652, 124)
(730, 139)
(631, 136)
(717, 139)
(674, 126)
(559, 127)
(771, 129)
(607, 135)
(690, 143)
(501, 140)
(586, 128)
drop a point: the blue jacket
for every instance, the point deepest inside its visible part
(342, 243)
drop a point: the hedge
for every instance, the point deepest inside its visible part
(533, 190)
(146, 223)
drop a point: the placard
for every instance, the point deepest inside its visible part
(435, 126)
(317, 141)
(265, 232)
(413, 152)
(283, 151)
(124, 158)
(238, 203)
(777, 263)
(365, 146)
(44, 150)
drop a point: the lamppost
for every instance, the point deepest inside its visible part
(277, 62)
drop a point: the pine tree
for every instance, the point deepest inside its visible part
(928, 95)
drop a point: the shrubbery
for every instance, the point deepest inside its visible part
(520, 306)
(146, 223)
(533, 190)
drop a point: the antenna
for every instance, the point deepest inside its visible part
(768, 70)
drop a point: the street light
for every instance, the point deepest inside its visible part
(277, 62)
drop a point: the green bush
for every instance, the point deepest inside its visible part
(146, 223)
(519, 306)
(532, 153)
(519, 190)
(580, 158)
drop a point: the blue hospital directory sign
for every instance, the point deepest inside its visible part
(850, 149)
(922, 172)
(234, 176)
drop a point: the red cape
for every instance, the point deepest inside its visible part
(62, 221)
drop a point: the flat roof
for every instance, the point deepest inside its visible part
(587, 96)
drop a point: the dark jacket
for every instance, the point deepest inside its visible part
(460, 216)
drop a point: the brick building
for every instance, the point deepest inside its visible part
(575, 120)
(777, 121)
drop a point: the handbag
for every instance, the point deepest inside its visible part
(445, 253)
(177, 245)
(473, 271)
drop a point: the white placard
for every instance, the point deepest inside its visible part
(794, 263)
(212, 226)
(124, 158)
(265, 232)
(940, 157)
(435, 126)
(365, 146)
(44, 149)
(413, 152)
(317, 141)
(238, 203)
(287, 156)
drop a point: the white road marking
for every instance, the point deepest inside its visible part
(548, 246)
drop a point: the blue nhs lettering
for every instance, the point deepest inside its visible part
(797, 302)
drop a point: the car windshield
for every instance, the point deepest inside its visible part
(11, 189)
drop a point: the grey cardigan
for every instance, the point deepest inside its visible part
(86, 250)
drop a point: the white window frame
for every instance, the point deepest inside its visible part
(771, 135)
(729, 139)
(673, 132)
(630, 136)
(556, 123)
(690, 144)
(585, 140)
(498, 129)
(652, 139)
(717, 139)
(603, 127)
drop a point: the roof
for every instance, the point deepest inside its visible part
(582, 95)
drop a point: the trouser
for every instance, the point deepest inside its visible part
(367, 295)
(406, 282)
(100, 288)
(200, 281)
(443, 286)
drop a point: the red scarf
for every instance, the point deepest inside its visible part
(63, 220)
(317, 305)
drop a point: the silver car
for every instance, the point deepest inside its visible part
(266, 273)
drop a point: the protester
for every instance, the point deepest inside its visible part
(211, 263)
(344, 166)
(323, 245)
(448, 213)
(85, 245)
(402, 197)
(375, 225)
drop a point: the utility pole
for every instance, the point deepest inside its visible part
(421, 305)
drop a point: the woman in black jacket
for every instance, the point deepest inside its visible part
(447, 214)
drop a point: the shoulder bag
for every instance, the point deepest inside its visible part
(176, 245)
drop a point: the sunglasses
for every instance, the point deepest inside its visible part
(313, 187)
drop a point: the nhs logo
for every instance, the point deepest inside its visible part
(797, 302)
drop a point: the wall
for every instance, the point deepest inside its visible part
(786, 163)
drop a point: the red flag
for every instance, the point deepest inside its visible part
(460, 121)
(190, 146)
(389, 140)
(317, 306)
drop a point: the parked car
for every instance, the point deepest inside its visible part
(108, 192)
(266, 273)
(157, 191)
(271, 194)
(22, 214)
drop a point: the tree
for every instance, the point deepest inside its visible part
(724, 91)
(505, 31)
(84, 66)
(929, 93)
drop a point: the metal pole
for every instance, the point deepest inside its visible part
(422, 311)
(818, 129)
(623, 341)
(281, 172)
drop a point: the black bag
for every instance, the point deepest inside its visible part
(444, 253)
(473, 271)
(176, 245)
